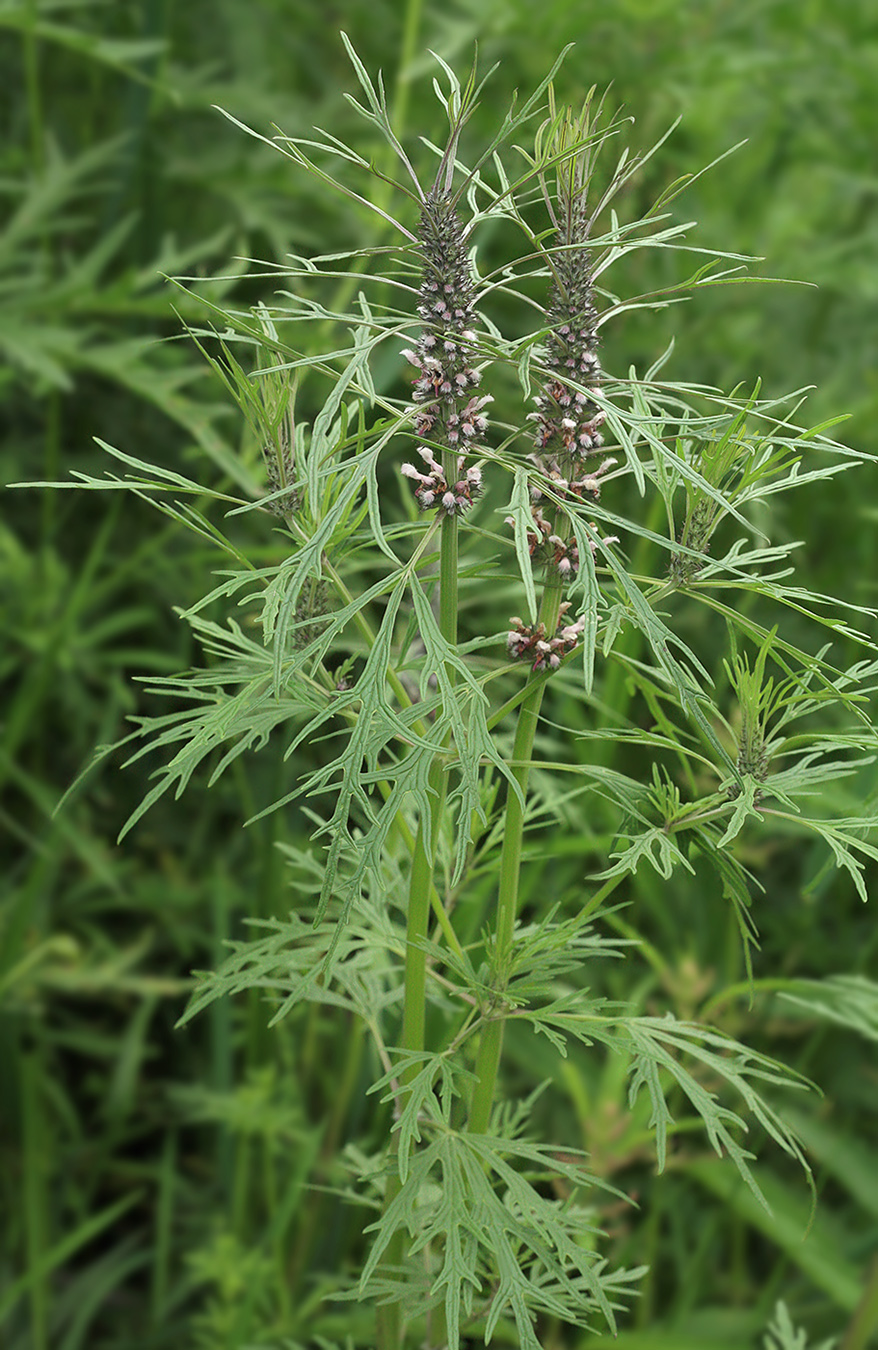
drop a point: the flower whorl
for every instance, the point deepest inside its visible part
(568, 417)
(447, 412)
(526, 642)
(567, 420)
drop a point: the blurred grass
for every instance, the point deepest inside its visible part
(153, 1181)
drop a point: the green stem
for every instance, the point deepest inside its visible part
(601, 895)
(402, 693)
(448, 626)
(420, 885)
(421, 880)
(435, 899)
(421, 892)
(448, 569)
(367, 631)
(491, 1043)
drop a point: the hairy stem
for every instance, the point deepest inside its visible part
(491, 1043)
(421, 891)
(421, 881)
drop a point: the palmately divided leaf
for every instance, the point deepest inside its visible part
(657, 1043)
(850, 1001)
(465, 1200)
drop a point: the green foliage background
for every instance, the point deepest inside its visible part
(155, 1184)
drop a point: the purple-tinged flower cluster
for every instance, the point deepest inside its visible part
(432, 489)
(447, 412)
(569, 488)
(526, 643)
(547, 547)
(561, 425)
(568, 420)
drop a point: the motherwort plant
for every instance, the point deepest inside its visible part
(461, 680)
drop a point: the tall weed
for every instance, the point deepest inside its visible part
(446, 764)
